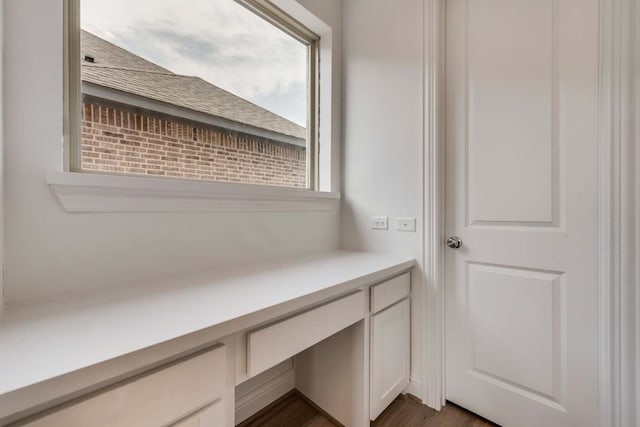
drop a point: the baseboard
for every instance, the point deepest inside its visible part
(321, 411)
(266, 393)
(415, 389)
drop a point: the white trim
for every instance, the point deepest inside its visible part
(329, 103)
(88, 192)
(266, 393)
(415, 389)
(618, 227)
(433, 394)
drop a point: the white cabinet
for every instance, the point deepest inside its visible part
(272, 344)
(339, 340)
(386, 293)
(390, 355)
(158, 397)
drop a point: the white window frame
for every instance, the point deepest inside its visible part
(86, 191)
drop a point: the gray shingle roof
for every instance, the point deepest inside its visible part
(119, 69)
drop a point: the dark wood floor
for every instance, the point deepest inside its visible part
(294, 411)
(290, 411)
(408, 412)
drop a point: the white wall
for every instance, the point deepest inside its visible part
(50, 252)
(383, 133)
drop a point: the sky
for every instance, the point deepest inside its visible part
(218, 40)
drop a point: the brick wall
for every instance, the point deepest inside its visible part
(116, 139)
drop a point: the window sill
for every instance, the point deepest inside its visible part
(86, 192)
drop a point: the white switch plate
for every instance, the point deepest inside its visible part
(379, 223)
(406, 224)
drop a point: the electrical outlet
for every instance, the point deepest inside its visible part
(379, 223)
(406, 224)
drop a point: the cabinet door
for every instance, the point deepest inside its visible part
(390, 355)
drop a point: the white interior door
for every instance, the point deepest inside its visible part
(522, 86)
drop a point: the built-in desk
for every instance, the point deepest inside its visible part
(94, 350)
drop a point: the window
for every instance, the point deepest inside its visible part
(218, 90)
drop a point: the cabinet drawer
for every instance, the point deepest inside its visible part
(270, 345)
(389, 292)
(159, 397)
(211, 416)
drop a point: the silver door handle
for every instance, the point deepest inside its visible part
(454, 242)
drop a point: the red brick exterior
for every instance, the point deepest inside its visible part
(122, 140)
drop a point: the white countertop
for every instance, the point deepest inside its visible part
(45, 341)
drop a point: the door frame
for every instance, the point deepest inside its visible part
(618, 204)
(433, 200)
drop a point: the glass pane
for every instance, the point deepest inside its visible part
(198, 89)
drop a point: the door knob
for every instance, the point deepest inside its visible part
(454, 242)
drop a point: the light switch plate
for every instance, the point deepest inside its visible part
(379, 223)
(406, 224)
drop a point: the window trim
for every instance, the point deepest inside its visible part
(72, 97)
(264, 8)
(281, 19)
(117, 193)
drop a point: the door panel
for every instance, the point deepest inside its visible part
(521, 153)
(499, 347)
(511, 93)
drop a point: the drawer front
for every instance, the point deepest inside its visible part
(159, 397)
(211, 416)
(389, 292)
(270, 345)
